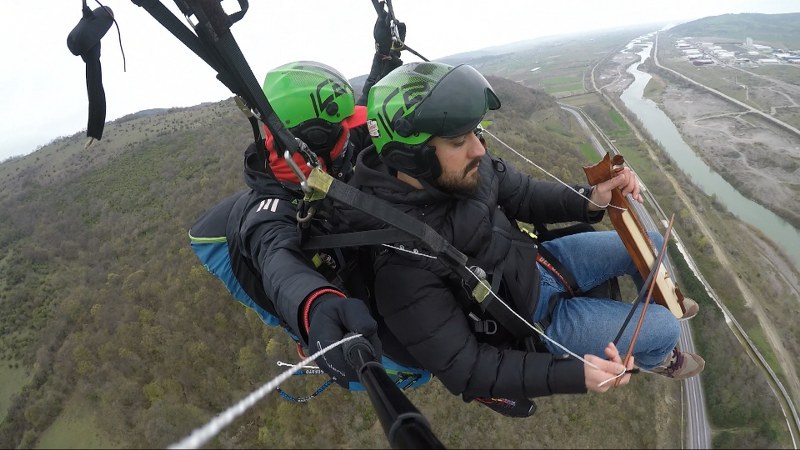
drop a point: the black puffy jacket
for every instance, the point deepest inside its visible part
(264, 245)
(417, 296)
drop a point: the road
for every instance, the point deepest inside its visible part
(698, 431)
(785, 358)
(787, 404)
(728, 98)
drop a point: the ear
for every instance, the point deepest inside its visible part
(419, 161)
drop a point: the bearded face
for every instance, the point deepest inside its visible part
(459, 158)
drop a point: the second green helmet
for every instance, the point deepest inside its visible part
(311, 99)
(420, 100)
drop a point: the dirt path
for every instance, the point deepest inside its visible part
(784, 357)
(691, 107)
(778, 266)
(727, 141)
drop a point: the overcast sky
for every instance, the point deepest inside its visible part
(42, 85)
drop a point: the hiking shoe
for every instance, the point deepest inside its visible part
(509, 407)
(690, 308)
(680, 365)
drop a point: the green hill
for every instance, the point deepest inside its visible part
(121, 330)
(113, 335)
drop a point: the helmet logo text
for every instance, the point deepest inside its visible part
(325, 104)
(412, 93)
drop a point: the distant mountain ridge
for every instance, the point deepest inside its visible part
(776, 30)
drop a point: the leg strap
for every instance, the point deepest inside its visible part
(535, 343)
(551, 263)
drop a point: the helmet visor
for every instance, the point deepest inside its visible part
(456, 104)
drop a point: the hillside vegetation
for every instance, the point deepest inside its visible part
(109, 312)
(113, 334)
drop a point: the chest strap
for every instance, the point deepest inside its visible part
(407, 228)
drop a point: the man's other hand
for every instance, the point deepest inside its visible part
(331, 318)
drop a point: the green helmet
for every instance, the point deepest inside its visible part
(418, 101)
(311, 99)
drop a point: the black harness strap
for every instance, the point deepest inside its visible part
(356, 239)
(507, 317)
(215, 44)
(416, 230)
(551, 263)
(375, 207)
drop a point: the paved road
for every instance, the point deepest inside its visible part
(698, 431)
(721, 95)
(787, 404)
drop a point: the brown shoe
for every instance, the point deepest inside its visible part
(690, 308)
(680, 365)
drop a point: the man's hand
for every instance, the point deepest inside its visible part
(625, 180)
(382, 32)
(332, 317)
(609, 369)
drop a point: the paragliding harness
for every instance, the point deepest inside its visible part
(215, 44)
(407, 229)
(214, 240)
(497, 318)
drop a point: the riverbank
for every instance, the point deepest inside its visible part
(767, 281)
(759, 159)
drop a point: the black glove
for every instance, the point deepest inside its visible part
(382, 32)
(332, 317)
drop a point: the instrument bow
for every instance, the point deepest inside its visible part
(634, 235)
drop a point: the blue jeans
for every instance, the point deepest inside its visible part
(585, 325)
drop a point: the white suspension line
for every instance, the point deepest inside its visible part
(201, 435)
(539, 332)
(548, 173)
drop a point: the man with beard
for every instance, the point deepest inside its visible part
(431, 163)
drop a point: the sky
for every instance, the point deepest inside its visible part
(43, 87)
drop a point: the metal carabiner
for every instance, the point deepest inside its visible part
(310, 159)
(397, 42)
(303, 219)
(295, 168)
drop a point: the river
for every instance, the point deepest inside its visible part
(661, 128)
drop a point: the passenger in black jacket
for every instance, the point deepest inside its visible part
(430, 163)
(306, 292)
